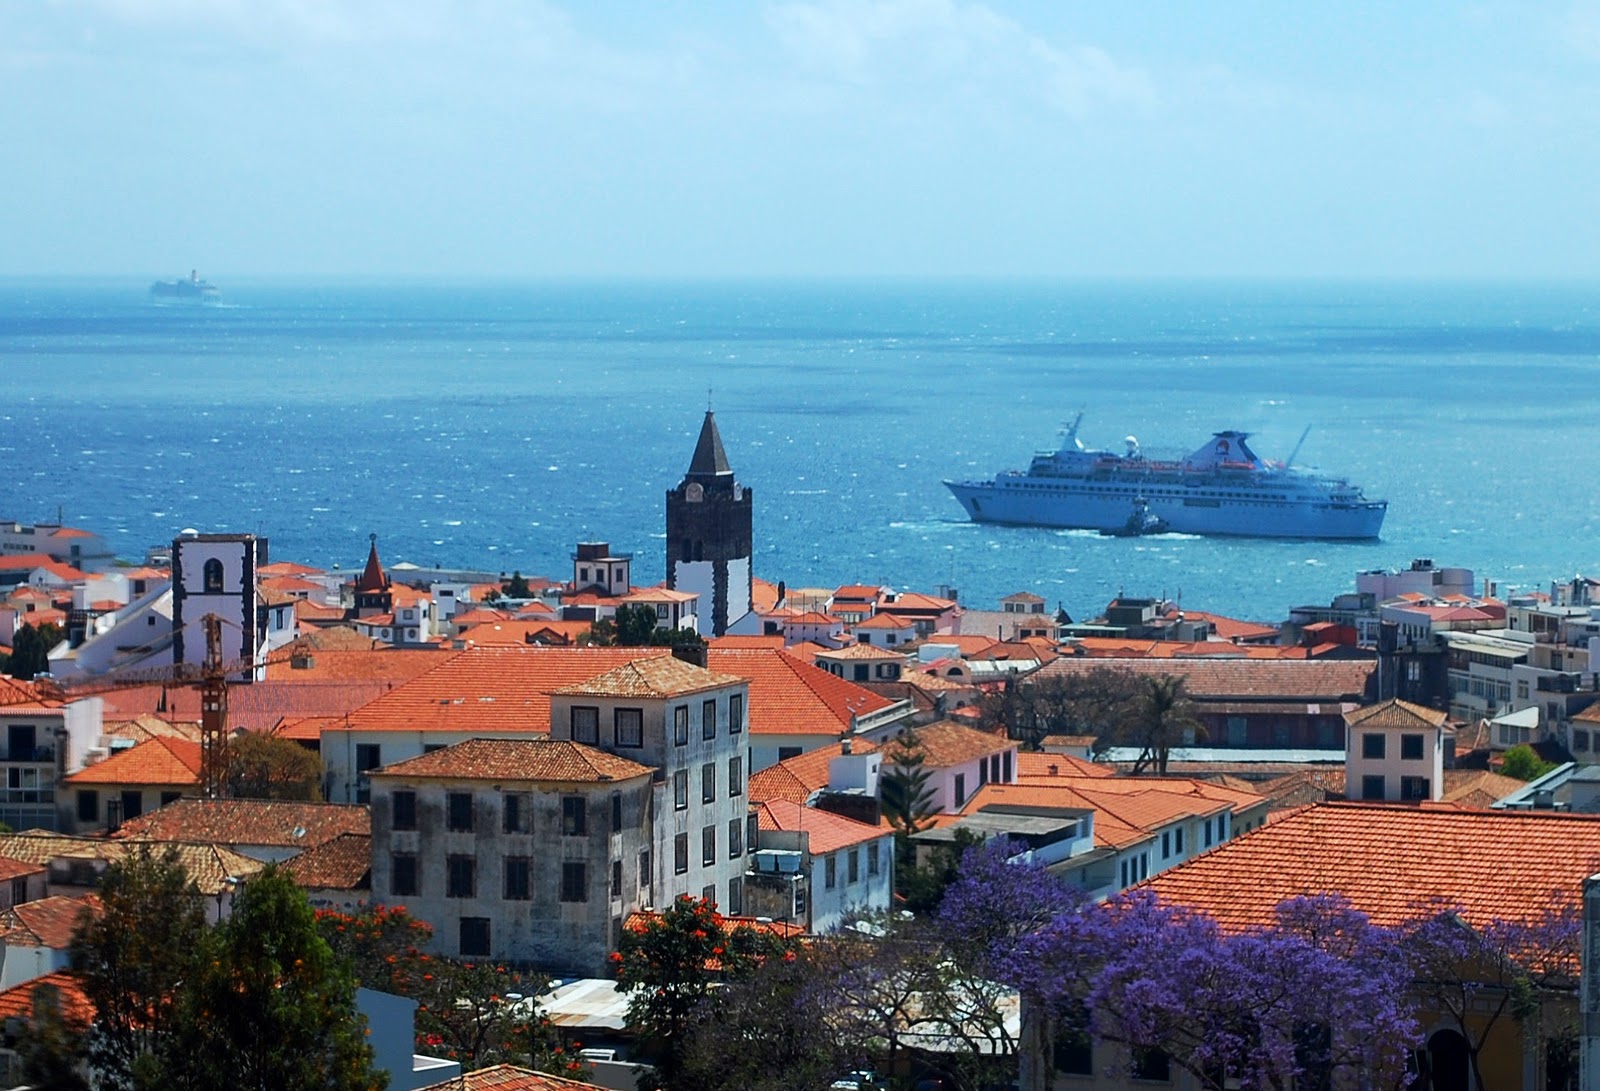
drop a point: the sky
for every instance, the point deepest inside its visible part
(741, 138)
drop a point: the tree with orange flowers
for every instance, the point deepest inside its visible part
(669, 963)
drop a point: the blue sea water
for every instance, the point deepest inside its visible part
(494, 425)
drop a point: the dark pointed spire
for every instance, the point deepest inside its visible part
(373, 578)
(710, 460)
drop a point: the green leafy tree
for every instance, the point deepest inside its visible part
(30, 650)
(517, 587)
(134, 958)
(269, 1005)
(1163, 717)
(671, 964)
(1523, 763)
(1097, 702)
(636, 625)
(922, 886)
(903, 788)
(267, 767)
(53, 1050)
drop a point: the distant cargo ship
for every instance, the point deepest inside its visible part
(194, 288)
(1222, 488)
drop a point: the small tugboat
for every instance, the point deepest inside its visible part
(1141, 521)
(193, 289)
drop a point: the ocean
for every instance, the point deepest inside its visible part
(494, 425)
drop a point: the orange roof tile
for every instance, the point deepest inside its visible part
(24, 562)
(162, 760)
(661, 677)
(46, 922)
(947, 743)
(18, 1002)
(310, 662)
(826, 832)
(488, 690)
(288, 568)
(306, 610)
(763, 594)
(735, 641)
(1390, 861)
(534, 630)
(856, 592)
(795, 778)
(373, 579)
(505, 1077)
(860, 652)
(16, 869)
(886, 622)
(290, 584)
(248, 822)
(1229, 628)
(256, 707)
(1039, 764)
(789, 696)
(519, 759)
(341, 863)
(1395, 714)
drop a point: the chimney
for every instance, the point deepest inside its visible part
(693, 654)
(1054, 769)
(846, 746)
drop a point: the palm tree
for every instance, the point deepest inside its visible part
(1163, 718)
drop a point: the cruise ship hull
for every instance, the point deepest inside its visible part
(1022, 501)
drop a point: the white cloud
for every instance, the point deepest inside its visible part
(896, 42)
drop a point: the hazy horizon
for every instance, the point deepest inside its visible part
(908, 139)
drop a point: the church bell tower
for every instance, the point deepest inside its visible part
(709, 535)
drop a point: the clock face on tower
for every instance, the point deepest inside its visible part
(695, 493)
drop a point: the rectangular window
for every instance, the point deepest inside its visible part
(709, 894)
(368, 756)
(1580, 741)
(574, 816)
(735, 776)
(708, 845)
(629, 728)
(708, 720)
(514, 813)
(1372, 745)
(735, 838)
(1415, 788)
(88, 805)
(644, 869)
(1005, 766)
(461, 877)
(680, 853)
(961, 788)
(680, 790)
(1150, 1064)
(616, 812)
(830, 873)
(616, 878)
(787, 752)
(517, 887)
(680, 725)
(1166, 844)
(460, 811)
(1177, 840)
(708, 782)
(1371, 787)
(574, 881)
(403, 875)
(1073, 1050)
(403, 813)
(735, 896)
(585, 725)
(1206, 830)
(1410, 747)
(735, 713)
(474, 937)
(852, 872)
(873, 862)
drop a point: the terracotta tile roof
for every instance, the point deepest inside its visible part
(289, 568)
(478, 615)
(763, 594)
(367, 663)
(18, 1002)
(1110, 829)
(47, 922)
(662, 677)
(248, 822)
(1590, 715)
(14, 691)
(860, 651)
(256, 707)
(289, 584)
(24, 562)
(916, 602)
(735, 641)
(505, 1077)
(886, 622)
(1030, 764)
(1025, 596)
(1395, 714)
(826, 832)
(813, 617)
(16, 869)
(535, 630)
(1322, 680)
(536, 609)
(162, 760)
(342, 863)
(519, 759)
(306, 610)
(372, 579)
(1493, 865)
(947, 743)
(856, 592)
(789, 696)
(488, 690)
(1229, 628)
(795, 778)
(966, 644)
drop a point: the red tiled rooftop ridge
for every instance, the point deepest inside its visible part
(519, 759)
